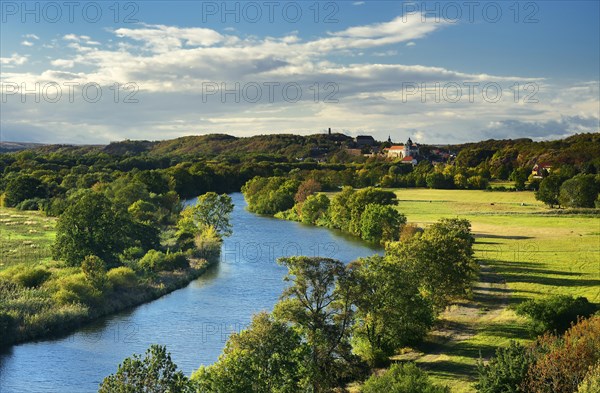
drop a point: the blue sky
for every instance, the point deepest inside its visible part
(359, 67)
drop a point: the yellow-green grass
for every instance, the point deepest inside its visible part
(525, 253)
(25, 237)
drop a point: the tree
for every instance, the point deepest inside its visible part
(270, 195)
(213, 210)
(519, 176)
(390, 310)
(506, 371)
(441, 259)
(314, 208)
(381, 223)
(562, 363)
(21, 188)
(402, 378)
(265, 358)
(156, 372)
(319, 303)
(339, 211)
(591, 382)
(307, 188)
(94, 269)
(555, 313)
(91, 226)
(359, 200)
(550, 189)
(580, 191)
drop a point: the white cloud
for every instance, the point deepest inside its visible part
(411, 43)
(14, 59)
(27, 43)
(358, 3)
(170, 65)
(31, 36)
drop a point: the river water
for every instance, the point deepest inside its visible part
(193, 322)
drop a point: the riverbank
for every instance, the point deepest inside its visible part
(41, 298)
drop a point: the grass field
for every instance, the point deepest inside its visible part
(524, 254)
(25, 237)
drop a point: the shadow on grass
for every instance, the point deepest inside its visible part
(491, 236)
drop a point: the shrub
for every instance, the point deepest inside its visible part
(175, 261)
(32, 278)
(506, 371)
(8, 328)
(563, 363)
(208, 244)
(555, 313)
(402, 378)
(591, 382)
(75, 289)
(31, 204)
(94, 269)
(121, 277)
(152, 261)
(133, 253)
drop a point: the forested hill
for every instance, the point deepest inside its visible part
(214, 145)
(577, 150)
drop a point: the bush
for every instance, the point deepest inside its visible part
(31, 204)
(75, 289)
(152, 261)
(402, 378)
(555, 313)
(32, 278)
(506, 371)
(563, 363)
(591, 382)
(175, 261)
(121, 277)
(8, 328)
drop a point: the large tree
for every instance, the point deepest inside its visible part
(265, 358)
(550, 189)
(91, 226)
(580, 191)
(381, 223)
(154, 373)
(213, 210)
(319, 303)
(390, 310)
(441, 259)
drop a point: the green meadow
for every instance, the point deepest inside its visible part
(26, 237)
(526, 251)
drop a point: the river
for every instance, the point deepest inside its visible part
(193, 322)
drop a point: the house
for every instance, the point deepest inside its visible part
(409, 160)
(409, 149)
(541, 169)
(365, 140)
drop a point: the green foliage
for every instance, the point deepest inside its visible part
(555, 313)
(381, 223)
(591, 382)
(76, 289)
(94, 270)
(339, 210)
(156, 372)
(91, 226)
(402, 378)
(506, 371)
(314, 209)
(390, 310)
(213, 210)
(267, 357)
(31, 277)
(319, 304)
(270, 195)
(441, 260)
(121, 277)
(21, 188)
(550, 189)
(580, 191)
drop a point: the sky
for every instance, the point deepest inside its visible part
(438, 72)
